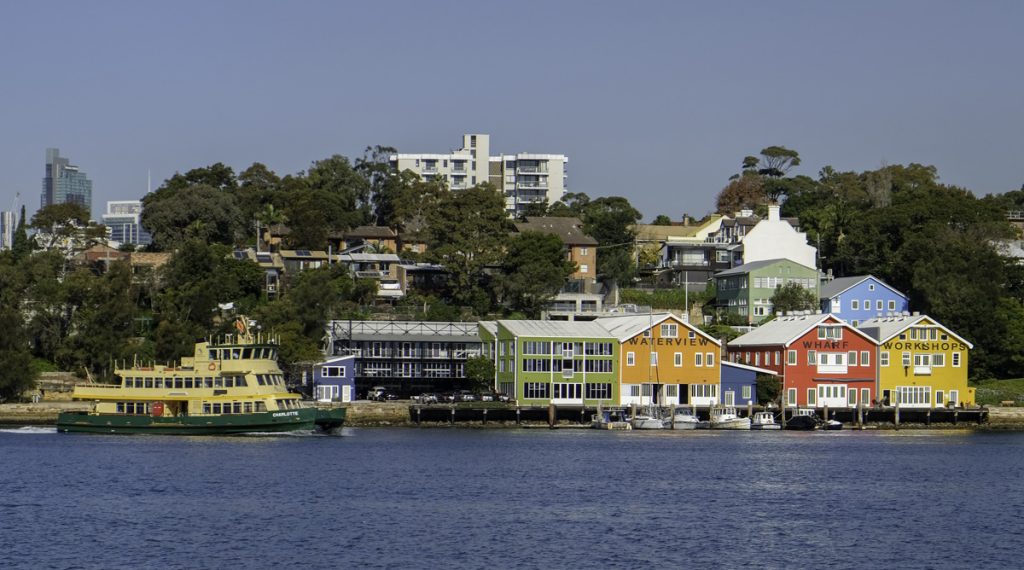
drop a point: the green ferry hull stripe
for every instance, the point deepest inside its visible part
(304, 419)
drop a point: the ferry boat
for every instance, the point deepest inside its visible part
(232, 386)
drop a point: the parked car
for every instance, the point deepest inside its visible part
(380, 394)
(465, 396)
(427, 398)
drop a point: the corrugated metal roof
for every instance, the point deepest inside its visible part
(840, 285)
(556, 329)
(884, 328)
(489, 326)
(780, 331)
(755, 265)
(749, 367)
(415, 337)
(626, 327)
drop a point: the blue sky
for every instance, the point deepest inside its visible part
(655, 101)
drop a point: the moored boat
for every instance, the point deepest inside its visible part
(803, 420)
(230, 387)
(727, 418)
(764, 421)
(682, 418)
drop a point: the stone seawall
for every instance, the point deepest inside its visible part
(1006, 418)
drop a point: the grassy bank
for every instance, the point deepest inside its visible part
(994, 392)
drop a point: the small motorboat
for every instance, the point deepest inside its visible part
(805, 420)
(764, 421)
(647, 421)
(832, 425)
(610, 419)
(682, 418)
(727, 418)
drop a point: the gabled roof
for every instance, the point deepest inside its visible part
(489, 326)
(840, 285)
(555, 329)
(627, 327)
(749, 367)
(787, 329)
(569, 230)
(883, 329)
(380, 232)
(755, 265)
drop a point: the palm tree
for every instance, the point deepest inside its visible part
(269, 216)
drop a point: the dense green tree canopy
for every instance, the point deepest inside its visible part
(534, 270)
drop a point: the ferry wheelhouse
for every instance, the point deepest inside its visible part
(227, 387)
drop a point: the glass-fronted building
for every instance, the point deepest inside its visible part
(64, 183)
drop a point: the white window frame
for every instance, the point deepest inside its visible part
(630, 359)
(679, 360)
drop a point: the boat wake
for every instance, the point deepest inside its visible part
(29, 430)
(332, 433)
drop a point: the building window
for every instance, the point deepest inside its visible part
(878, 305)
(791, 357)
(892, 305)
(871, 287)
(654, 359)
(852, 358)
(811, 397)
(584, 268)
(709, 360)
(630, 359)
(812, 358)
(865, 358)
(669, 330)
(956, 360)
(855, 305)
(535, 391)
(634, 390)
(938, 360)
(698, 359)
(906, 359)
(679, 359)
(883, 359)
(598, 391)
(583, 251)
(746, 392)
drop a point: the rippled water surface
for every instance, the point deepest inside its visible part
(463, 498)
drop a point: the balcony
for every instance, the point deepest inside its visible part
(532, 185)
(541, 169)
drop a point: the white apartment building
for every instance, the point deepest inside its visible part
(523, 178)
(8, 223)
(123, 222)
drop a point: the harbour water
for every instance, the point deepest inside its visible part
(531, 498)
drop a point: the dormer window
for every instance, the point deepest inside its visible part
(830, 332)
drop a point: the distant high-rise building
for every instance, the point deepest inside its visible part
(8, 223)
(123, 222)
(64, 182)
(523, 178)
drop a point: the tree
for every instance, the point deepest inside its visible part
(258, 187)
(742, 193)
(64, 221)
(480, 374)
(793, 297)
(21, 246)
(571, 205)
(662, 220)
(535, 269)
(218, 176)
(343, 192)
(610, 220)
(375, 168)
(15, 356)
(467, 233)
(212, 215)
(405, 202)
(769, 388)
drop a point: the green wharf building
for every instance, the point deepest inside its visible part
(555, 362)
(747, 290)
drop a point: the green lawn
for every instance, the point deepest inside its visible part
(992, 392)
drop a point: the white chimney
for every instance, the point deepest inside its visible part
(773, 212)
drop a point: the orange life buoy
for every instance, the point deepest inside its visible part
(213, 366)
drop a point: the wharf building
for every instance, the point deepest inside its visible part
(64, 183)
(523, 178)
(122, 220)
(921, 363)
(406, 357)
(823, 360)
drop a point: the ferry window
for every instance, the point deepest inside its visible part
(120, 407)
(259, 380)
(208, 382)
(218, 382)
(248, 407)
(158, 382)
(179, 382)
(213, 354)
(188, 383)
(216, 408)
(236, 353)
(207, 408)
(149, 382)
(246, 353)
(241, 382)
(236, 408)
(261, 406)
